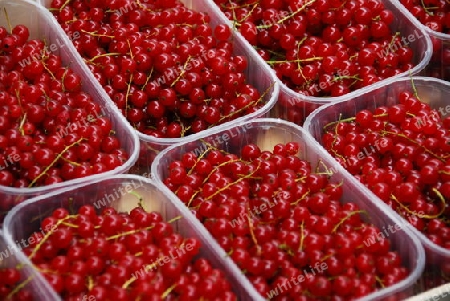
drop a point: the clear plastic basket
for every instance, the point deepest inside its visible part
(43, 26)
(433, 91)
(266, 133)
(439, 65)
(295, 107)
(119, 192)
(257, 74)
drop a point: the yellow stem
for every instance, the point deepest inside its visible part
(54, 161)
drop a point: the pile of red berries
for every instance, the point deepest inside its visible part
(50, 130)
(322, 47)
(11, 286)
(121, 256)
(435, 14)
(402, 154)
(169, 72)
(284, 225)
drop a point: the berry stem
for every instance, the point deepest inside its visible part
(176, 218)
(311, 59)
(146, 269)
(47, 235)
(168, 291)
(238, 23)
(425, 216)
(71, 162)
(303, 197)
(233, 183)
(251, 228)
(287, 17)
(7, 20)
(427, 9)
(350, 119)
(182, 71)
(302, 236)
(393, 39)
(50, 72)
(19, 287)
(54, 161)
(129, 232)
(102, 55)
(128, 94)
(148, 78)
(416, 94)
(198, 159)
(22, 122)
(416, 143)
(92, 33)
(245, 107)
(346, 218)
(379, 281)
(64, 5)
(91, 283)
(217, 167)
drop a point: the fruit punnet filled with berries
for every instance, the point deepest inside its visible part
(169, 72)
(13, 287)
(402, 154)
(112, 255)
(435, 14)
(284, 225)
(50, 130)
(322, 47)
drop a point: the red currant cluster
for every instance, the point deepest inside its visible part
(168, 71)
(11, 287)
(121, 256)
(50, 130)
(322, 47)
(284, 225)
(434, 14)
(408, 165)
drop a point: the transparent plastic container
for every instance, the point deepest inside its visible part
(295, 107)
(433, 91)
(267, 132)
(258, 74)
(119, 192)
(42, 26)
(439, 65)
(30, 280)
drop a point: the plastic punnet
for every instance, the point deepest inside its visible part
(295, 107)
(267, 132)
(439, 65)
(433, 91)
(121, 192)
(258, 74)
(42, 26)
